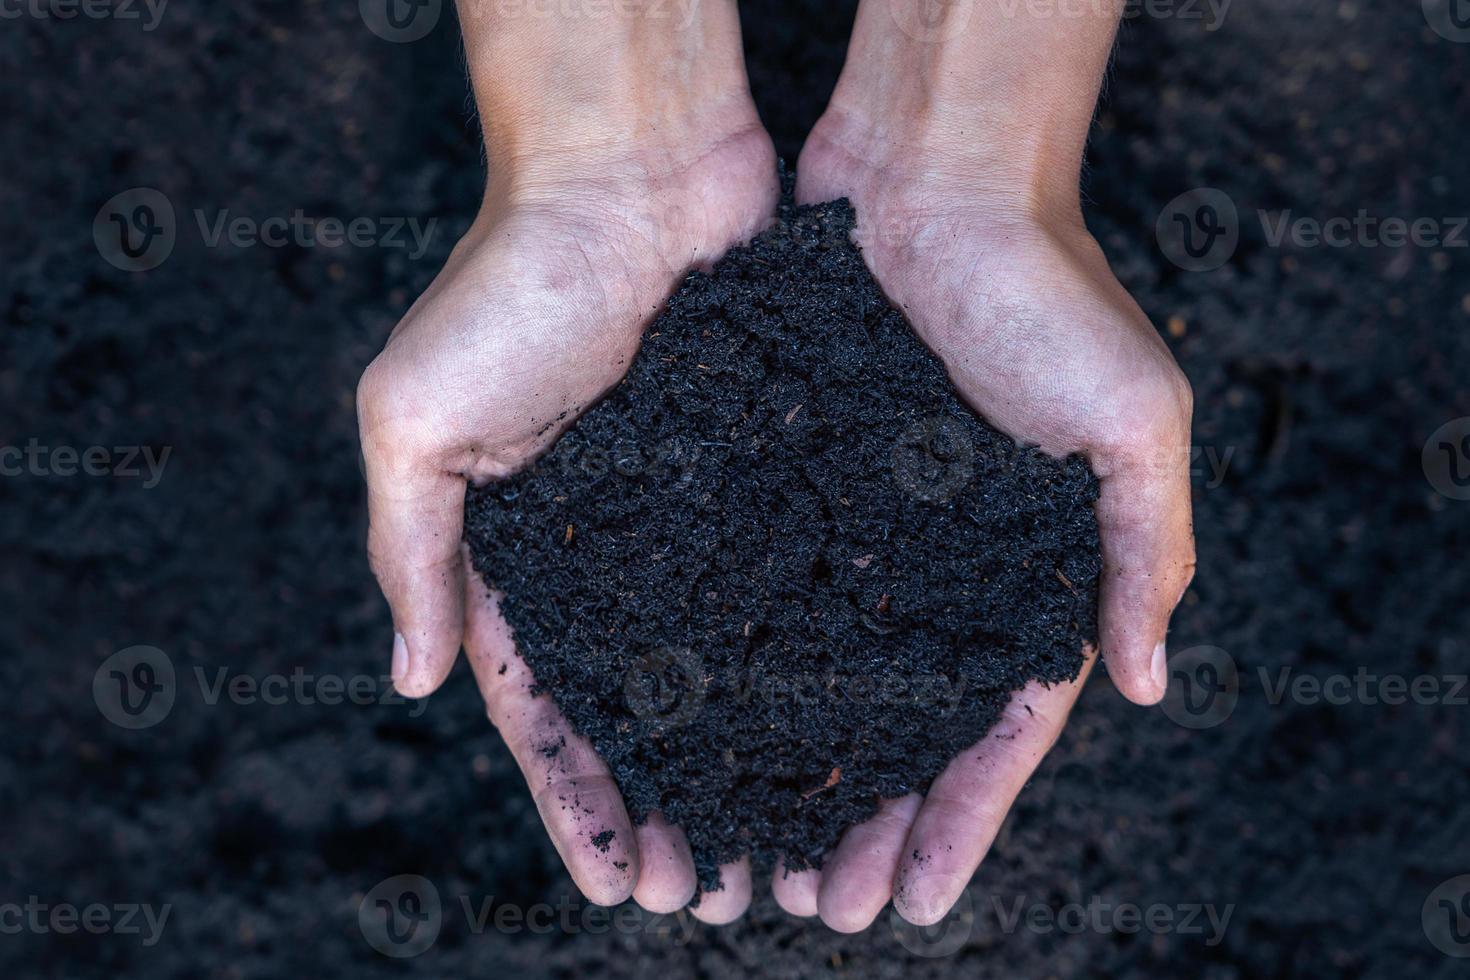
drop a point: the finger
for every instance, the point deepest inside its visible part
(796, 891)
(574, 792)
(857, 880)
(967, 803)
(415, 519)
(718, 908)
(1144, 520)
(666, 880)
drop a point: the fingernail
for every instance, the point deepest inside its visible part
(1160, 668)
(400, 657)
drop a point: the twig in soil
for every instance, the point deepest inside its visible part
(833, 778)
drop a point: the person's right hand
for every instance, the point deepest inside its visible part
(537, 312)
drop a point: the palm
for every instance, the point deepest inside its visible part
(516, 335)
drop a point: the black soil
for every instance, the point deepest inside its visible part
(781, 572)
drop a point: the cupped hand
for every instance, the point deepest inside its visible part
(537, 313)
(1038, 335)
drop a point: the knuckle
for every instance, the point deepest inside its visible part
(1162, 402)
(394, 440)
(1175, 396)
(1151, 421)
(372, 392)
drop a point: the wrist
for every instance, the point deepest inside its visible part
(572, 88)
(980, 93)
(1006, 174)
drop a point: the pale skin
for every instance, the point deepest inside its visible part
(627, 149)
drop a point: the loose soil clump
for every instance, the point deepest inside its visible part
(781, 571)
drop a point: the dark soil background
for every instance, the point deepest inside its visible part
(1322, 371)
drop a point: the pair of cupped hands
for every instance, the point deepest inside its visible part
(539, 310)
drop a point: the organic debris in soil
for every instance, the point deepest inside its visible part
(781, 572)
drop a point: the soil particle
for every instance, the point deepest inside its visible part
(781, 572)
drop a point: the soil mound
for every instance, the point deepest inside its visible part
(782, 571)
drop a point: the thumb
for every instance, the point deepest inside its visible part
(415, 521)
(1144, 519)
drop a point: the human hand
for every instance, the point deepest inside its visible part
(598, 204)
(968, 214)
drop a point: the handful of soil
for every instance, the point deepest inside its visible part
(781, 571)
